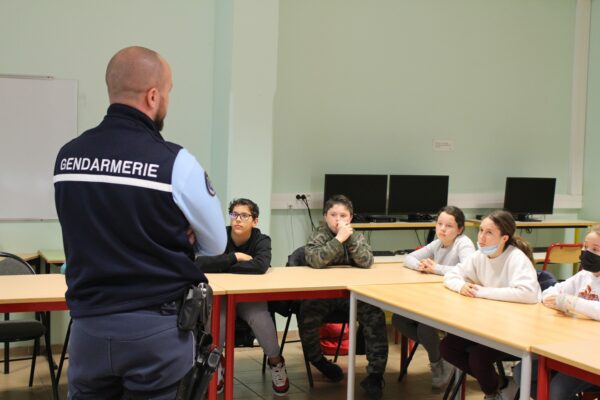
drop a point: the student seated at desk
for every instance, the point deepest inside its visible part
(249, 252)
(450, 248)
(336, 243)
(580, 294)
(502, 269)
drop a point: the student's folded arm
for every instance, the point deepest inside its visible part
(440, 269)
(412, 260)
(321, 254)
(360, 251)
(454, 279)
(589, 308)
(195, 197)
(215, 264)
(561, 287)
(519, 294)
(261, 260)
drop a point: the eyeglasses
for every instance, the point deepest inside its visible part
(243, 216)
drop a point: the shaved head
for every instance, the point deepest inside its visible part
(141, 78)
(132, 71)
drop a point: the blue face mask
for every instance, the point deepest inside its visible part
(487, 250)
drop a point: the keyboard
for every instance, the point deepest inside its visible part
(378, 253)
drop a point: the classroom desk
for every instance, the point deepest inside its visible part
(574, 358)
(34, 293)
(509, 327)
(43, 293)
(51, 257)
(298, 283)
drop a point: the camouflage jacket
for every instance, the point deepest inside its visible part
(323, 250)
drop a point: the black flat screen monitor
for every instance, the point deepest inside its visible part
(525, 196)
(367, 192)
(417, 196)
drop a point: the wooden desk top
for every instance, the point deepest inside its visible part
(398, 258)
(516, 325)
(580, 354)
(551, 223)
(32, 288)
(288, 279)
(53, 256)
(28, 256)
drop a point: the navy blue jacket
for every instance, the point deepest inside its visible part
(124, 235)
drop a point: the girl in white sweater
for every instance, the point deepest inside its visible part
(580, 294)
(450, 248)
(502, 269)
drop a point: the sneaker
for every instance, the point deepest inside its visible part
(496, 396)
(281, 383)
(332, 371)
(510, 390)
(441, 372)
(221, 376)
(373, 385)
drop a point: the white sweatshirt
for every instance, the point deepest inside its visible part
(586, 287)
(445, 257)
(508, 277)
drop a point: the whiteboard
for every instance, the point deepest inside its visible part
(37, 117)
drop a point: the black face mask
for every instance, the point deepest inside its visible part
(590, 261)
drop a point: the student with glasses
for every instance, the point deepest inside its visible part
(249, 252)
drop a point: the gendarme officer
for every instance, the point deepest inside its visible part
(126, 200)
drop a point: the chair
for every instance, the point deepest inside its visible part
(411, 346)
(562, 253)
(24, 330)
(288, 308)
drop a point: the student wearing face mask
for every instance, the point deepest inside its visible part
(451, 247)
(580, 294)
(502, 269)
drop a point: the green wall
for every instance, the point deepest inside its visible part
(591, 188)
(365, 88)
(74, 40)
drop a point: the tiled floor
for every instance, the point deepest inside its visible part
(251, 384)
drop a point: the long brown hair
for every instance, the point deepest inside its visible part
(507, 226)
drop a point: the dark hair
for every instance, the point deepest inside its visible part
(457, 213)
(252, 206)
(338, 199)
(506, 223)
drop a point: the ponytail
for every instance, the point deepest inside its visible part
(522, 245)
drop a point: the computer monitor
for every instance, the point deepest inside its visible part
(417, 196)
(367, 192)
(525, 196)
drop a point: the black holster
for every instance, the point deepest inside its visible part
(194, 315)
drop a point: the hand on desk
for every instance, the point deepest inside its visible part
(469, 289)
(427, 266)
(242, 257)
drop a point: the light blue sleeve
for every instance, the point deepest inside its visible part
(195, 196)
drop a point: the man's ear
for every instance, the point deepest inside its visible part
(152, 99)
(255, 222)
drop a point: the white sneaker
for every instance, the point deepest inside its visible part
(496, 396)
(509, 392)
(281, 383)
(441, 372)
(221, 376)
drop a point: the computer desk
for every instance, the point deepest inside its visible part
(299, 283)
(509, 327)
